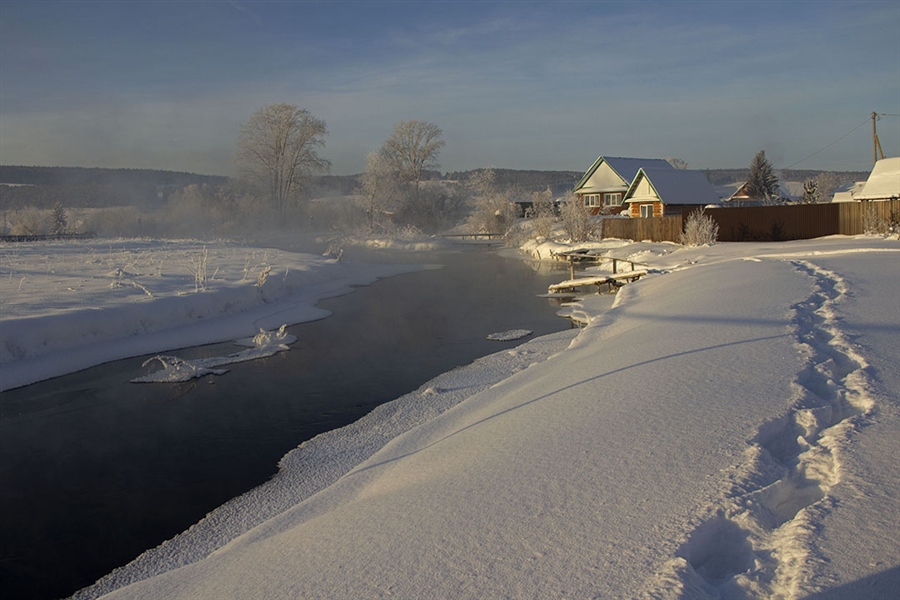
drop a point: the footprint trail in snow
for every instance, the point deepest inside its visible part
(760, 540)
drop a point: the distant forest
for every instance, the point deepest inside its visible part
(76, 187)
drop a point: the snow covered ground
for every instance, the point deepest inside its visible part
(728, 429)
(71, 305)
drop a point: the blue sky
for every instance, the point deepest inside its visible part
(522, 85)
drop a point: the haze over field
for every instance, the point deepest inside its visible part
(524, 85)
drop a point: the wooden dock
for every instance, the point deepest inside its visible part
(611, 282)
(580, 256)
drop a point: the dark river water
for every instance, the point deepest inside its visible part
(94, 470)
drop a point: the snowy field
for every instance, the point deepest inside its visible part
(728, 429)
(71, 305)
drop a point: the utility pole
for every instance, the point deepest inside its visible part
(876, 145)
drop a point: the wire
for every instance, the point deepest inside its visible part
(829, 145)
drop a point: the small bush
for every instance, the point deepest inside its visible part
(699, 230)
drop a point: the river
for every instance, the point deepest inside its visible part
(94, 470)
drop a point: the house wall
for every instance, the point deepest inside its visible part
(658, 209)
(644, 189)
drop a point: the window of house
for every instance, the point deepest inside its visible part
(646, 210)
(612, 199)
(592, 200)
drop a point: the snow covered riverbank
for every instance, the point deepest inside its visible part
(728, 429)
(71, 305)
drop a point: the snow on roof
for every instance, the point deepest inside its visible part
(626, 168)
(883, 181)
(848, 192)
(677, 186)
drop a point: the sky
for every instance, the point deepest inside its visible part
(519, 85)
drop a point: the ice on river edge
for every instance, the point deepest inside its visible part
(177, 370)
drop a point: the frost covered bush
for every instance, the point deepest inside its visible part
(699, 230)
(492, 209)
(576, 219)
(29, 221)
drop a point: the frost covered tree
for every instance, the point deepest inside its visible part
(412, 149)
(409, 153)
(380, 188)
(762, 184)
(278, 151)
(576, 219)
(542, 213)
(677, 163)
(493, 211)
(810, 191)
(59, 222)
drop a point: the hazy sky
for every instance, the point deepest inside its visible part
(522, 85)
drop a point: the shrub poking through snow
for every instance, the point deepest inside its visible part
(699, 230)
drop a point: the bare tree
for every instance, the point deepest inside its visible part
(278, 150)
(677, 163)
(412, 149)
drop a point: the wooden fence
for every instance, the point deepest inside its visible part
(656, 229)
(765, 223)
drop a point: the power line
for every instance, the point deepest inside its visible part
(831, 144)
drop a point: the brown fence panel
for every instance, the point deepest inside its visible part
(855, 217)
(764, 223)
(776, 223)
(657, 229)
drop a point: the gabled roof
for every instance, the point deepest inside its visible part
(626, 168)
(883, 181)
(675, 186)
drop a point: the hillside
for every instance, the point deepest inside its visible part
(72, 187)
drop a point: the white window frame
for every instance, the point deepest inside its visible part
(592, 200)
(612, 199)
(645, 209)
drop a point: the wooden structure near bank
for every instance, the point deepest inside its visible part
(614, 281)
(611, 282)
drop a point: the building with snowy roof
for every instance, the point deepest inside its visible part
(661, 192)
(604, 184)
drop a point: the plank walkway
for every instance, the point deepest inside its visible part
(615, 280)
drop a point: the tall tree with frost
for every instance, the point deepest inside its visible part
(762, 183)
(278, 151)
(412, 150)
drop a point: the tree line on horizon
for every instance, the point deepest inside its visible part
(280, 170)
